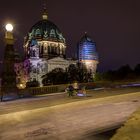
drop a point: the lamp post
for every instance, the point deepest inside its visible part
(8, 83)
(9, 39)
(9, 27)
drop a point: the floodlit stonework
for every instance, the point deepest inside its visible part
(45, 50)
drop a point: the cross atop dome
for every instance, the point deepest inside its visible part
(44, 16)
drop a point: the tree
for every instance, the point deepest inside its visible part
(124, 71)
(84, 74)
(56, 76)
(79, 73)
(72, 73)
(32, 84)
(98, 77)
(137, 69)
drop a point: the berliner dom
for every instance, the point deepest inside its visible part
(45, 49)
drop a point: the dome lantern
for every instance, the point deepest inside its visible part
(44, 16)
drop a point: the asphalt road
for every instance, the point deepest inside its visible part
(58, 98)
(62, 118)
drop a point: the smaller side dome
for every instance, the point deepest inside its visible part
(87, 40)
(87, 49)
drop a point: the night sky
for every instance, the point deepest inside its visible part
(113, 24)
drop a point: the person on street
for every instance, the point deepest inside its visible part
(70, 90)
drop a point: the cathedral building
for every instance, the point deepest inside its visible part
(45, 49)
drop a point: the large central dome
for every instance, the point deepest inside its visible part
(44, 40)
(46, 30)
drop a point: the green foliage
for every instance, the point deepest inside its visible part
(123, 73)
(73, 73)
(79, 73)
(32, 84)
(98, 77)
(137, 69)
(56, 76)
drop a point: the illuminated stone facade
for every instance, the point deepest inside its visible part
(45, 49)
(44, 40)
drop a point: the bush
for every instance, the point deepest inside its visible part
(32, 84)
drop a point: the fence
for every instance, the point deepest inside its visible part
(46, 89)
(51, 89)
(61, 88)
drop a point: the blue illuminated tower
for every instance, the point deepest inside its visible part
(87, 53)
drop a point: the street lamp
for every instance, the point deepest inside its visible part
(21, 86)
(9, 27)
(8, 83)
(9, 34)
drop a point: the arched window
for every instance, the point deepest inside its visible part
(34, 53)
(58, 50)
(49, 50)
(53, 49)
(52, 33)
(63, 51)
(38, 32)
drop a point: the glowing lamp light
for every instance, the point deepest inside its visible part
(21, 86)
(9, 27)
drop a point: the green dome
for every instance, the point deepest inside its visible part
(46, 30)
